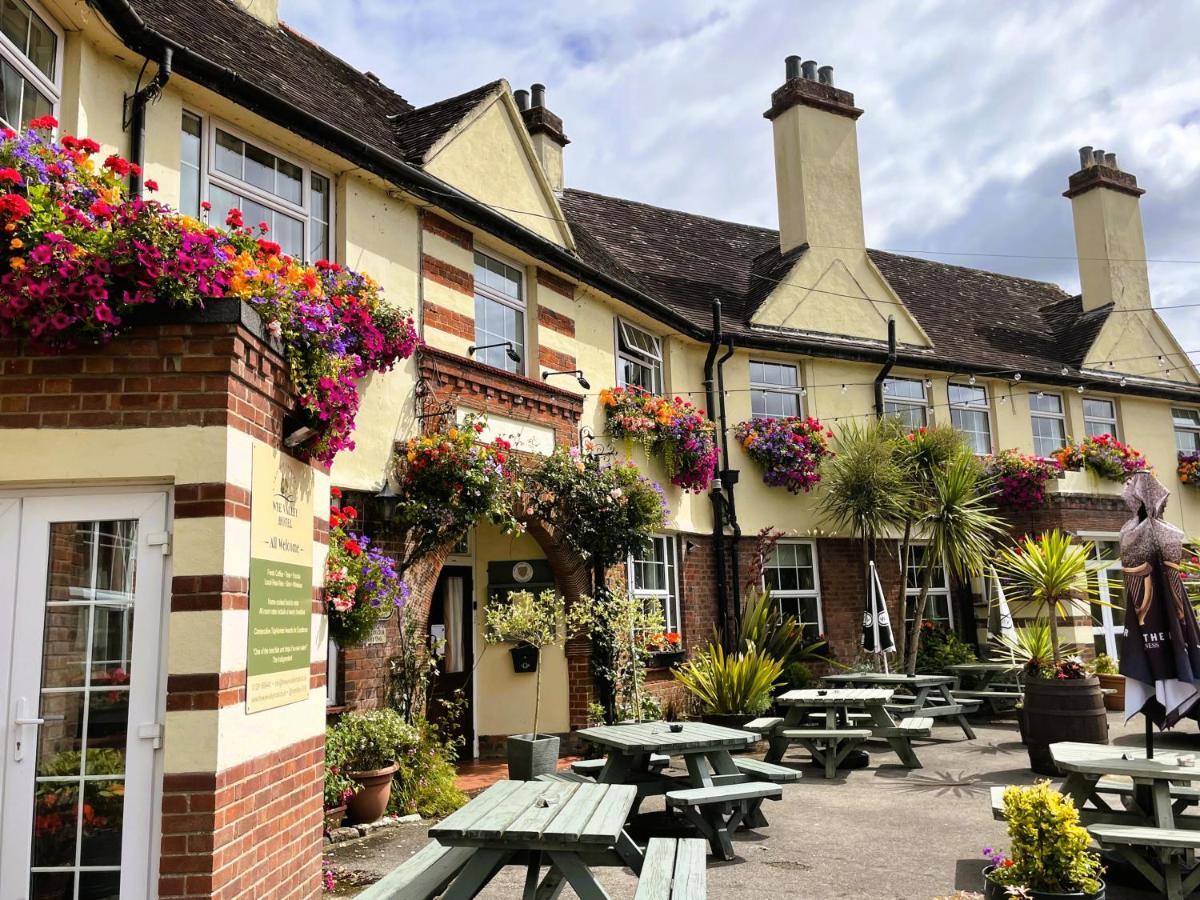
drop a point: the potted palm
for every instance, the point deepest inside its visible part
(534, 623)
(1062, 701)
(1050, 857)
(362, 747)
(1104, 667)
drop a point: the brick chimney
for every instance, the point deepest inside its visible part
(546, 131)
(266, 10)
(1108, 233)
(816, 159)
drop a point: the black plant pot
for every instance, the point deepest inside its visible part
(1061, 710)
(665, 659)
(993, 891)
(525, 658)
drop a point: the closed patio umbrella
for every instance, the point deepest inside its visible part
(877, 627)
(1160, 650)
(1000, 620)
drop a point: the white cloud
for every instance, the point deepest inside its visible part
(973, 111)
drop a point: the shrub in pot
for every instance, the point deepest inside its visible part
(1104, 667)
(627, 638)
(1062, 702)
(1049, 855)
(363, 747)
(730, 689)
(537, 622)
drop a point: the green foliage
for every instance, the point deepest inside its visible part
(867, 486)
(1049, 847)
(730, 684)
(604, 512)
(939, 649)
(797, 676)
(411, 672)
(625, 629)
(1103, 665)
(360, 742)
(424, 781)
(780, 637)
(1034, 647)
(100, 761)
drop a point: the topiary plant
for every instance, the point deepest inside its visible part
(1049, 847)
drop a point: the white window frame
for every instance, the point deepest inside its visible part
(668, 597)
(333, 670)
(521, 305)
(1186, 429)
(892, 403)
(1061, 416)
(210, 175)
(973, 407)
(799, 594)
(636, 355)
(943, 590)
(796, 390)
(1113, 424)
(1105, 627)
(51, 88)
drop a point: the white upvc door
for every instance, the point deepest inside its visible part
(81, 599)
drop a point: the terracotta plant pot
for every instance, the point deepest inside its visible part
(1114, 702)
(334, 817)
(993, 891)
(531, 755)
(370, 801)
(1061, 710)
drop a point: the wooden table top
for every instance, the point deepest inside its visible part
(656, 737)
(891, 679)
(986, 667)
(1102, 759)
(835, 697)
(535, 812)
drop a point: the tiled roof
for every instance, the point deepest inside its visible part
(420, 129)
(972, 317)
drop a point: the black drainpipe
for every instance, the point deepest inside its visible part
(887, 367)
(715, 494)
(137, 118)
(729, 478)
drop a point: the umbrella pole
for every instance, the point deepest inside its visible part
(1149, 738)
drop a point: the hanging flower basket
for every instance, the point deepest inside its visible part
(789, 449)
(1020, 480)
(1189, 468)
(1104, 456)
(681, 435)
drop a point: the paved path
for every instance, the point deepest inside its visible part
(830, 839)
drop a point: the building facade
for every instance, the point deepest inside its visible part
(128, 501)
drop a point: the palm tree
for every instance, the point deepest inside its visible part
(868, 488)
(1048, 571)
(959, 530)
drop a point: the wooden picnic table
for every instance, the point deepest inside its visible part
(985, 674)
(569, 826)
(931, 697)
(833, 743)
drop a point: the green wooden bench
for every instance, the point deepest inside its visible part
(763, 725)
(828, 746)
(673, 870)
(1159, 854)
(996, 701)
(422, 876)
(765, 771)
(592, 767)
(566, 776)
(717, 811)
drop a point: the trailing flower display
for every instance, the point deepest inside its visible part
(1020, 480)
(789, 449)
(1189, 468)
(362, 585)
(675, 430)
(1104, 455)
(78, 256)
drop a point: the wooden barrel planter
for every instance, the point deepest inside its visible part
(1061, 710)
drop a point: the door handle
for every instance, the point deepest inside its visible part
(22, 721)
(29, 721)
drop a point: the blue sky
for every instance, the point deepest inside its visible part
(973, 111)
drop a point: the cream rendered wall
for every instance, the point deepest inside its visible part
(504, 699)
(492, 161)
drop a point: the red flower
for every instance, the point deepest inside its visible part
(234, 218)
(349, 512)
(11, 175)
(13, 206)
(100, 209)
(206, 206)
(336, 492)
(269, 247)
(44, 123)
(88, 146)
(352, 547)
(151, 185)
(117, 164)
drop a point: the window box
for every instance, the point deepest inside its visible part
(665, 659)
(1084, 482)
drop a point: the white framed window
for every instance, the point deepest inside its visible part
(1099, 417)
(971, 416)
(1187, 429)
(795, 584)
(230, 170)
(905, 398)
(499, 313)
(1048, 418)
(639, 358)
(30, 62)
(654, 575)
(1107, 587)
(774, 390)
(938, 608)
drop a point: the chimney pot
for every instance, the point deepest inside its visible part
(1085, 157)
(810, 69)
(1097, 157)
(825, 75)
(522, 98)
(1110, 160)
(791, 67)
(539, 95)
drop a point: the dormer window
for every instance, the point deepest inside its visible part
(639, 358)
(30, 48)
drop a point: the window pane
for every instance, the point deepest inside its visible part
(34, 105)
(1047, 403)
(1049, 435)
(1099, 409)
(909, 416)
(968, 395)
(222, 202)
(318, 241)
(288, 233)
(1187, 441)
(14, 22)
(229, 155)
(496, 323)
(289, 181)
(189, 162)
(42, 46)
(974, 426)
(260, 168)
(904, 388)
(14, 86)
(1187, 418)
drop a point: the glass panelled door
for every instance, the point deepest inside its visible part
(82, 697)
(1108, 616)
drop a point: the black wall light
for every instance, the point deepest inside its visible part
(508, 346)
(578, 373)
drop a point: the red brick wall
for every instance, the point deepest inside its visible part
(447, 275)
(449, 321)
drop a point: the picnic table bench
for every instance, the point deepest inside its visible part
(995, 685)
(673, 870)
(928, 696)
(716, 812)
